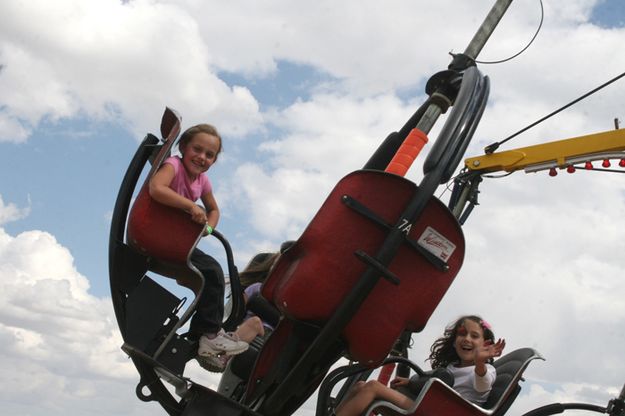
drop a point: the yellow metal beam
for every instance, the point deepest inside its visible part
(559, 153)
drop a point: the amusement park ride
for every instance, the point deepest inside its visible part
(377, 237)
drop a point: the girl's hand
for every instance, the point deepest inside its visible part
(489, 350)
(399, 381)
(198, 214)
(497, 348)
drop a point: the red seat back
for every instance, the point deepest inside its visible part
(156, 230)
(160, 231)
(441, 400)
(313, 277)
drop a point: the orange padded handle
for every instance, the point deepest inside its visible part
(407, 152)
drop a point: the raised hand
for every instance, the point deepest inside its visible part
(498, 347)
(489, 350)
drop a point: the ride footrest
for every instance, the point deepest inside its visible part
(150, 316)
(208, 402)
(177, 353)
(174, 378)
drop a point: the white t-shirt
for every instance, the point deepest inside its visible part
(471, 386)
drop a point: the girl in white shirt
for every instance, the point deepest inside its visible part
(466, 350)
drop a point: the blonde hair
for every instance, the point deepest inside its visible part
(258, 269)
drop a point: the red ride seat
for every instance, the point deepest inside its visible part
(312, 278)
(167, 236)
(438, 399)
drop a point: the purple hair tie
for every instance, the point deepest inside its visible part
(486, 325)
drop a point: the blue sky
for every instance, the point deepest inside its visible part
(609, 14)
(88, 168)
(302, 95)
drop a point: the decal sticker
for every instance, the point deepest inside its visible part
(436, 243)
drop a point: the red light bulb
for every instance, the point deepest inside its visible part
(622, 163)
(588, 166)
(606, 163)
(570, 169)
(553, 172)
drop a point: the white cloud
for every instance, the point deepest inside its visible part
(300, 167)
(275, 217)
(378, 40)
(12, 130)
(543, 265)
(128, 61)
(60, 344)
(331, 127)
(11, 212)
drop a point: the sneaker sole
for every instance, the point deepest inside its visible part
(210, 351)
(208, 365)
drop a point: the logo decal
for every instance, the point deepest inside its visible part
(436, 243)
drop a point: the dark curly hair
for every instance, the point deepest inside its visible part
(443, 352)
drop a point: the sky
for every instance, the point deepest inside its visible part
(303, 93)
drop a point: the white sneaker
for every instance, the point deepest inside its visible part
(223, 343)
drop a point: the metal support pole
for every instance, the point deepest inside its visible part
(472, 51)
(487, 28)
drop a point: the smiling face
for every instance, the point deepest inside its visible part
(469, 337)
(200, 153)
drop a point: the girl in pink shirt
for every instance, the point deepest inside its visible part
(178, 183)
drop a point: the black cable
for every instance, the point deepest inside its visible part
(540, 25)
(599, 170)
(499, 176)
(494, 146)
(556, 408)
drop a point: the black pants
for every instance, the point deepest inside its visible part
(209, 313)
